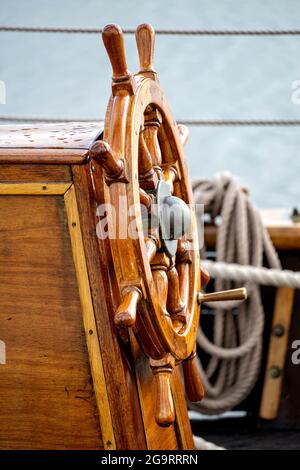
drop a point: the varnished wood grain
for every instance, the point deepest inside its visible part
(89, 321)
(46, 394)
(107, 269)
(19, 173)
(114, 43)
(145, 39)
(34, 188)
(133, 109)
(284, 237)
(193, 384)
(157, 437)
(182, 424)
(44, 156)
(119, 372)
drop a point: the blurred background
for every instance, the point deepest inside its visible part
(204, 78)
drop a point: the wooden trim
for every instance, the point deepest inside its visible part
(284, 238)
(43, 189)
(183, 425)
(35, 173)
(271, 394)
(89, 320)
(43, 155)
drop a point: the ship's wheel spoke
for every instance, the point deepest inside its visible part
(147, 175)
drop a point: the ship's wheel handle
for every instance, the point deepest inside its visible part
(158, 269)
(145, 38)
(112, 36)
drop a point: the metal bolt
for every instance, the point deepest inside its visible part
(278, 330)
(275, 372)
(295, 215)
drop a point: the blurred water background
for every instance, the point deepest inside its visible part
(204, 77)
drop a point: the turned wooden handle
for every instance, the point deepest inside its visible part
(192, 380)
(145, 160)
(102, 153)
(145, 38)
(125, 316)
(164, 411)
(112, 36)
(174, 302)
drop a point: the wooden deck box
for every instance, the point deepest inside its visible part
(66, 379)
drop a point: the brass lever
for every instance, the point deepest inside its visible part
(232, 294)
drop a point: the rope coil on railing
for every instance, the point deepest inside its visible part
(169, 32)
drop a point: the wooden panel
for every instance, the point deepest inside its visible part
(89, 320)
(277, 353)
(35, 173)
(117, 361)
(46, 394)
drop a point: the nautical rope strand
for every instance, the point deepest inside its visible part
(236, 344)
(258, 275)
(170, 32)
(188, 122)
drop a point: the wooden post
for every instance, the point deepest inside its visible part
(277, 353)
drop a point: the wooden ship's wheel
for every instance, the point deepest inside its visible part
(95, 331)
(156, 259)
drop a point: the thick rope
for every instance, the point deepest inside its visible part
(236, 346)
(263, 276)
(180, 32)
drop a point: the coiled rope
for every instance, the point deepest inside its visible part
(236, 346)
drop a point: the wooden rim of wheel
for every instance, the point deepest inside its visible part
(141, 147)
